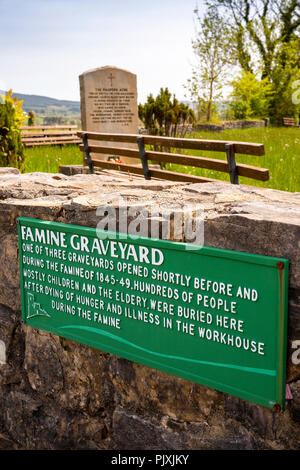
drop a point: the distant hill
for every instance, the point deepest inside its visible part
(47, 106)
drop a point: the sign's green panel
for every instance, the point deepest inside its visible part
(212, 316)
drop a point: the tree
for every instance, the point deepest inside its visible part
(11, 118)
(284, 77)
(267, 25)
(164, 115)
(266, 35)
(31, 118)
(213, 49)
(251, 97)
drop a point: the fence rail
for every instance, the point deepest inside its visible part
(231, 148)
(49, 135)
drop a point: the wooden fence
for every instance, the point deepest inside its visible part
(158, 151)
(49, 135)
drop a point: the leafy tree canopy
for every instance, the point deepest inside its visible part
(251, 97)
(266, 38)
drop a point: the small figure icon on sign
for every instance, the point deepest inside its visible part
(34, 309)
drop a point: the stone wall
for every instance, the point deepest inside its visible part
(57, 394)
(245, 124)
(242, 124)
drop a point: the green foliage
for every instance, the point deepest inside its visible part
(146, 114)
(206, 111)
(163, 115)
(11, 117)
(266, 39)
(284, 79)
(240, 109)
(251, 97)
(31, 118)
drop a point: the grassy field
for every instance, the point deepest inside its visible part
(282, 156)
(48, 158)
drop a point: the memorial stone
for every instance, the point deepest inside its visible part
(108, 102)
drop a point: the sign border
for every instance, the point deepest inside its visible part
(280, 264)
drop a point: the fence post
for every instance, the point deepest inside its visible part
(230, 153)
(143, 157)
(87, 152)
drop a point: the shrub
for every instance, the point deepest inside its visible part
(241, 109)
(164, 115)
(251, 97)
(11, 117)
(31, 118)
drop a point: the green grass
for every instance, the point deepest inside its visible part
(282, 156)
(48, 158)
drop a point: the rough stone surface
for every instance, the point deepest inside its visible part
(70, 170)
(57, 394)
(9, 170)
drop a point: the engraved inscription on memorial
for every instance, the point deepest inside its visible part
(111, 105)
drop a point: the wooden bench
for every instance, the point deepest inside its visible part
(49, 135)
(228, 166)
(289, 122)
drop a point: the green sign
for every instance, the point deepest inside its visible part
(212, 316)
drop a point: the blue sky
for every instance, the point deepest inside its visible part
(47, 44)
